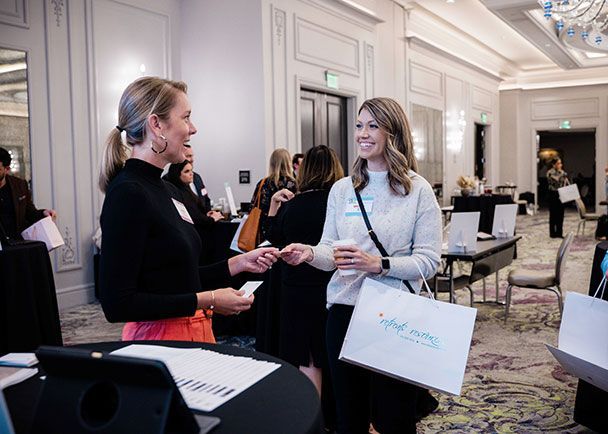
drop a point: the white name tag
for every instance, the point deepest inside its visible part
(204, 191)
(352, 206)
(183, 212)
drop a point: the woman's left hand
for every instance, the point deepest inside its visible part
(256, 261)
(353, 258)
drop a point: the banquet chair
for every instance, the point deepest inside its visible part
(584, 215)
(541, 279)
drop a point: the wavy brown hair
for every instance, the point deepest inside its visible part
(399, 148)
(142, 98)
(319, 170)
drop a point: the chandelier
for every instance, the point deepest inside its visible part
(584, 16)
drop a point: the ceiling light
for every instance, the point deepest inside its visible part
(584, 16)
(450, 1)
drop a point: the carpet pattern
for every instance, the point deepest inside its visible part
(512, 383)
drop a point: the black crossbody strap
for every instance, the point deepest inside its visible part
(374, 237)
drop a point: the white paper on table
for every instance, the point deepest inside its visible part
(230, 197)
(463, 232)
(504, 220)
(234, 245)
(44, 230)
(250, 287)
(206, 379)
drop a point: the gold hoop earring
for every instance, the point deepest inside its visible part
(164, 149)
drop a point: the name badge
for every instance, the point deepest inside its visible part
(204, 191)
(352, 206)
(183, 212)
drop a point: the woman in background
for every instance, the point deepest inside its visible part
(406, 218)
(149, 275)
(280, 175)
(180, 177)
(556, 178)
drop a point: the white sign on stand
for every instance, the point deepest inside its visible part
(463, 232)
(504, 220)
(231, 202)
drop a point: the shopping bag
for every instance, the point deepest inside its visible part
(583, 341)
(44, 230)
(409, 337)
(568, 193)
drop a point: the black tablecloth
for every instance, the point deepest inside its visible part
(283, 402)
(591, 402)
(485, 204)
(29, 316)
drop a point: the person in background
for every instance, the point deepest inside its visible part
(180, 178)
(556, 178)
(280, 175)
(17, 211)
(197, 185)
(149, 275)
(296, 161)
(299, 219)
(406, 218)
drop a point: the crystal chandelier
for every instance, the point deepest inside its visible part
(584, 16)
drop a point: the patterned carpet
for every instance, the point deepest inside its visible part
(512, 383)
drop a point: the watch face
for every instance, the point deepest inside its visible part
(386, 264)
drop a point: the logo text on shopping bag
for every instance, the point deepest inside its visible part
(410, 333)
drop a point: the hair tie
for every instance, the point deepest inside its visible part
(120, 129)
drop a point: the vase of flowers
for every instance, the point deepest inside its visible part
(466, 184)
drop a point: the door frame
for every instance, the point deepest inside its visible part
(353, 100)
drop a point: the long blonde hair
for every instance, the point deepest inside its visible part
(280, 166)
(142, 98)
(399, 148)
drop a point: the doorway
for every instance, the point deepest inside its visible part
(480, 151)
(576, 148)
(323, 122)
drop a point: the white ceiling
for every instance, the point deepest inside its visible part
(521, 47)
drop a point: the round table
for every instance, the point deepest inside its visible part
(284, 401)
(29, 316)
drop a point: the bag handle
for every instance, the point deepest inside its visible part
(258, 195)
(377, 242)
(601, 285)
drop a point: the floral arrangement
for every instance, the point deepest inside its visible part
(465, 182)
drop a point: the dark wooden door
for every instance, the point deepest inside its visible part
(323, 122)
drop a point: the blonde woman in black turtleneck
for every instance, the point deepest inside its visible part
(149, 273)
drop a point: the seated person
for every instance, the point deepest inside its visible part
(17, 211)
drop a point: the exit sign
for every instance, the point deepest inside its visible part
(484, 118)
(565, 125)
(331, 80)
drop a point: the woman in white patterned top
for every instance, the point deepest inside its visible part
(405, 216)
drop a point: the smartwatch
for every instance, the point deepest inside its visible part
(385, 264)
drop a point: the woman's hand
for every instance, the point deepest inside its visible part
(353, 258)
(226, 301)
(277, 199)
(215, 215)
(256, 261)
(295, 254)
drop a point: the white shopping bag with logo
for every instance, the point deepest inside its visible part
(412, 338)
(583, 339)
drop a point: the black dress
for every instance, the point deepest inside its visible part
(149, 255)
(303, 297)
(268, 189)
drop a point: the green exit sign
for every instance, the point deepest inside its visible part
(484, 118)
(564, 125)
(331, 79)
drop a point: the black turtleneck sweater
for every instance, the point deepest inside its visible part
(149, 254)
